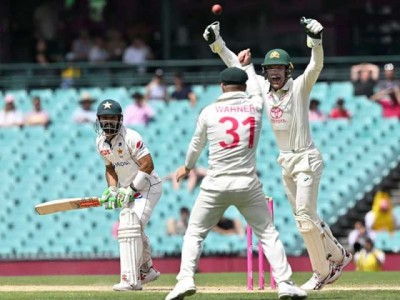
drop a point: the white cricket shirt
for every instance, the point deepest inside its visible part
(232, 127)
(124, 152)
(287, 108)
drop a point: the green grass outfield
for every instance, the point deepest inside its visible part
(352, 285)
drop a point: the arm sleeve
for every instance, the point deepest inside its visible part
(369, 220)
(253, 83)
(313, 69)
(198, 141)
(229, 58)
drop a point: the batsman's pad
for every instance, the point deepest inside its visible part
(314, 237)
(130, 246)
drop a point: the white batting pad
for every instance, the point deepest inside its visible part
(313, 236)
(130, 246)
(334, 247)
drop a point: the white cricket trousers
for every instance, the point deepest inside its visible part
(143, 208)
(207, 211)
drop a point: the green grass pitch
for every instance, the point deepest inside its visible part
(352, 285)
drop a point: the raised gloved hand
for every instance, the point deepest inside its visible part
(314, 31)
(109, 197)
(125, 196)
(212, 36)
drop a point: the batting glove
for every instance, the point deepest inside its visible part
(109, 197)
(212, 36)
(125, 196)
(314, 31)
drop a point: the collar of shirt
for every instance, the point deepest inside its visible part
(232, 95)
(288, 86)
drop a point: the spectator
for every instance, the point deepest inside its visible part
(314, 113)
(369, 258)
(37, 116)
(178, 227)
(69, 75)
(381, 217)
(138, 113)
(137, 53)
(226, 226)
(42, 54)
(115, 45)
(339, 112)
(193, 179)
(156, 89)
(388, 95)
(80, 47)
(364, 78)
(183, 91)
(9, 115)
(85, 113)
(357, 236)
(98, 52)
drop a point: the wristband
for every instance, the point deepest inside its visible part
(139, 181)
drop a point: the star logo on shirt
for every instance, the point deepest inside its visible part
(107, 105)
(119, 151)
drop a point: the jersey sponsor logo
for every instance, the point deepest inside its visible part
(276, 112)
(105, 152)
(122, 163)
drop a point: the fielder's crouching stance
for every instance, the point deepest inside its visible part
(286, 103)
(129, 166)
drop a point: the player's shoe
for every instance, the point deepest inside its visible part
(184, 288)
(317, 282)
(338, 268)
(123, 286)
(288, 290)
(151, 275)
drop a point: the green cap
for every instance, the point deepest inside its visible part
(109, 107)
(233, 75)
(277, 57)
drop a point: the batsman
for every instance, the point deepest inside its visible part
(133, 186)
(286, 103)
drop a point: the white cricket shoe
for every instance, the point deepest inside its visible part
(149, 276)
(288, 290)
(338, 268)
(123, 286)
(184, 287)
(314, 283)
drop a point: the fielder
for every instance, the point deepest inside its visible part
(286, 102)
(231, 125)
(129, 166)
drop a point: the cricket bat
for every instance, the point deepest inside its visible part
(54, 206)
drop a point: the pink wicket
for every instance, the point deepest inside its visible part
(261, 279)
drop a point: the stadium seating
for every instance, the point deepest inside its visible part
(41, 165)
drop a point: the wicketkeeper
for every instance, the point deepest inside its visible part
(133, 186)
(286, 103)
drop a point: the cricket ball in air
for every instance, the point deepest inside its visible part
(216, 9)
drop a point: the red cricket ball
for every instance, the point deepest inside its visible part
(216, 9)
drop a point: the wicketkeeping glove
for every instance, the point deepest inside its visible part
(109, 197)
(212, 36)
(314, 31)
(125, 196)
